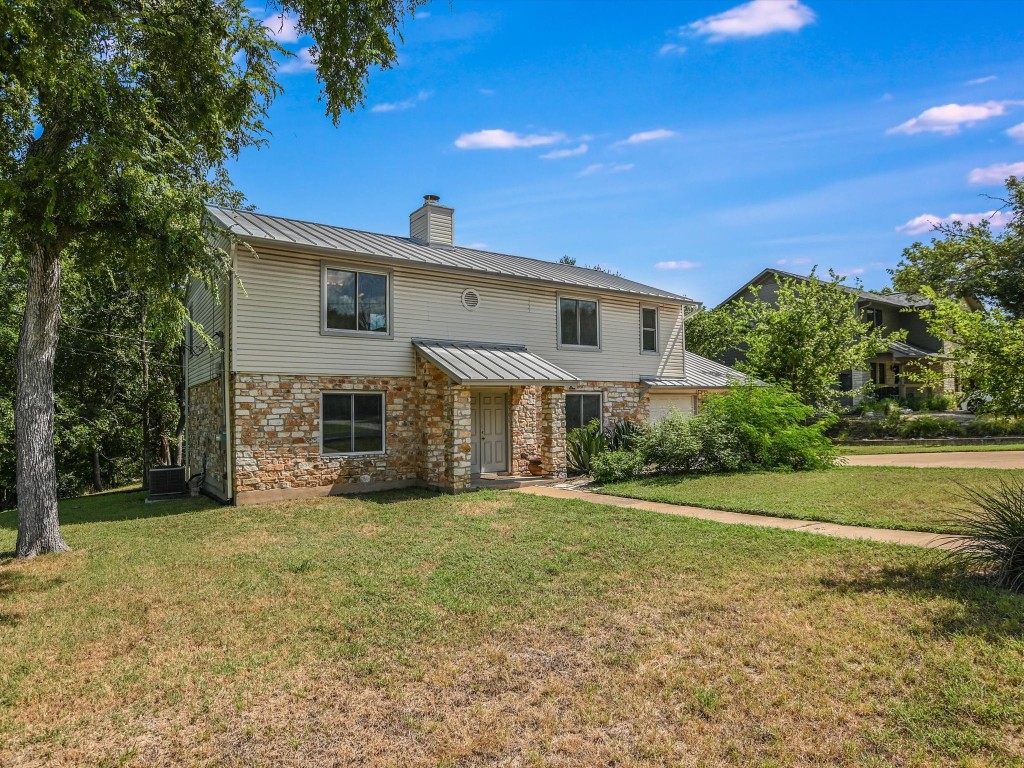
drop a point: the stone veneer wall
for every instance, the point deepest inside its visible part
(204, 424)
(623, 400)
(524, 417)
(277, 433)
(428, 429)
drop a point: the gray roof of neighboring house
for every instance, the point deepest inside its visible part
(701, 373)
(902, 349)
(260, 226)
(475, 362)
(902, 300)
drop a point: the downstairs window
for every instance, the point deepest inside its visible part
(352, 422)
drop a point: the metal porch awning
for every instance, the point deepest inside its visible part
(486, 363)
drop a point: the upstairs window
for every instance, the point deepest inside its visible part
(355, 302)
(352, 422)
(578, 323)
(873, 316)
(648, 329)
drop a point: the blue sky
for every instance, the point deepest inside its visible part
(687, 145)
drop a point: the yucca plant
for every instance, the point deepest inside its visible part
(582, 445)
(993, 528)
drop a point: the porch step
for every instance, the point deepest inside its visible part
(505, 482)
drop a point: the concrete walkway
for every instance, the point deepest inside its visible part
(910, 538)
(955, 459)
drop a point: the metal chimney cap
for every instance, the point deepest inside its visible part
(431, 199)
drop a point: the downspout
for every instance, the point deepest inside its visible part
(229, 490)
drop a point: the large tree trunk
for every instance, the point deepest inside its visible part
(38, 526)
(97, 470)
(146, 436)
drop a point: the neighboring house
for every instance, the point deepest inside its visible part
(345, 360)
(891, 311)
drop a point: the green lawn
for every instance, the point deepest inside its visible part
(869, 450)
(492, 628)
(883, 497)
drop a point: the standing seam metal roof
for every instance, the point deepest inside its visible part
(471, 362)
(701, 373)
(247, 224)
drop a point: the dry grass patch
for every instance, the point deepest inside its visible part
(525, 632)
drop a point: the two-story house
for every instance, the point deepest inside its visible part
(888, 371)
(346, 360)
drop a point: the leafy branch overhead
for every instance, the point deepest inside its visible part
(117, 123)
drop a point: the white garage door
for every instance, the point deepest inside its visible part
(662, 404)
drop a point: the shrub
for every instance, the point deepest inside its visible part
(671, 444)
(616, 466)
(582, 445)
(624, 436)
(994, 528)
(770, 428)
(929, 426)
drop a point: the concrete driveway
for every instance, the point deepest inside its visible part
(958, 459)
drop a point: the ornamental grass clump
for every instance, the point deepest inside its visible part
(993, 527)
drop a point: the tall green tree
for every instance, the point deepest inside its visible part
(972, 262)
(804, 339)
(117, 121)
(975, 275)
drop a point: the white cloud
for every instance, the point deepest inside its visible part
(793, 262)
(476, 246)
(1017, 132)
(850, 272)
(672, 49)
(282, 27)
(594, 168)
(496, 138)
(948, 118)
(753, 19)
(926, 222)
(303, 61)
(558, 154)
(422, 14)
(676, 265)
(400, 106)
(982, 80)
(995, 174)
(487, 91)
(644, 136)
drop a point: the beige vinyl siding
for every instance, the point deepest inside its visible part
(208, 312)
(278, 322)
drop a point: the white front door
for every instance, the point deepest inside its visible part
(490, 432)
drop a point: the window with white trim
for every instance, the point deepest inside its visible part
(355, 301)
(648, 329)
(581, 408)
(352, 422)
(578, 323)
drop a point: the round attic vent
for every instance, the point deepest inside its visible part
(470, 299)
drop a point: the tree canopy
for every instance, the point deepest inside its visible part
(975, 276)
(803, 339)
(117, 121)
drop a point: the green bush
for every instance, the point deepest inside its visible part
(770, 428)
(929, 427)
(751, 427)
(624, 436)
(616, 466)
(994, 528)
(671, 444)
(582, 445)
